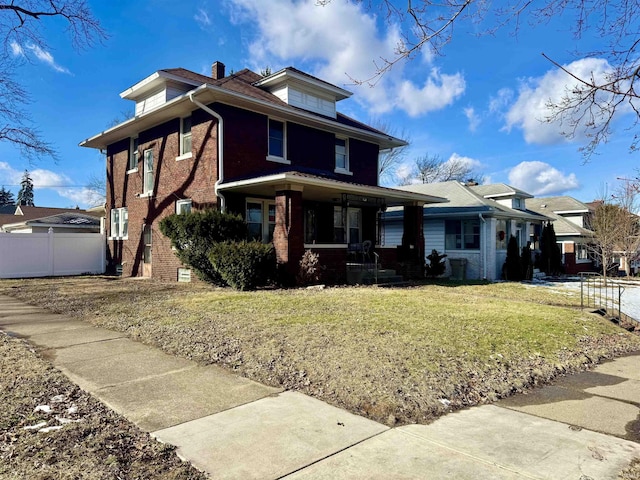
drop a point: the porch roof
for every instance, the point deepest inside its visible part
(317, 188)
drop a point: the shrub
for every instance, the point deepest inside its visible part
(436, 265)
(512, 269)
(243, 265)
(192, 235)
(310, 270)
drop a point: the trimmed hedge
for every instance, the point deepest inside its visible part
(243, 265)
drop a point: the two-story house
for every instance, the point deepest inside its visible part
(570, 222)
(272, 148)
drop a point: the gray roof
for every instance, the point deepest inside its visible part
(499, 190)
(549, 206)
(464, 201)
(556, 204)
(67, 219)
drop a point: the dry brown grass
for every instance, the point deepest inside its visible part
(394, 355)
(96, 445)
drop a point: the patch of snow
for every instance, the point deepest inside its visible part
(64, 421)
(35, 427)
(72, 409)
(50, 429)
(42, 408)
(57, 399)
(444, 402)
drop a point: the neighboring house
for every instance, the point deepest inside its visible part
(570, 221)
(69, 222)
(473, 227)
(23, 218)
(273, 149)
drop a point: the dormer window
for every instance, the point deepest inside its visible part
(342, 155)
(517, 203)
(277, 141)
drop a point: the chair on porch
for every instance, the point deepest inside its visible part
(366, 251)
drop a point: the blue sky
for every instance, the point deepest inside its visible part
(481, 101)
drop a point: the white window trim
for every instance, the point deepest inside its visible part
(185, 201)
(276, 158)
(131, 153)
(184, 155)
(121, 223)
(265, 213)
(146, 193)
(347, 169)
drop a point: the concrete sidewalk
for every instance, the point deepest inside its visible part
(585, 427)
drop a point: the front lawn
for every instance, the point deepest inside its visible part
(394, 355)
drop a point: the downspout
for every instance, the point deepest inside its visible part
(483, 247)
(223, 203)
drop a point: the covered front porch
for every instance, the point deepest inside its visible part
(339, 221)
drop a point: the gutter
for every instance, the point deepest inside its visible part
(223, 202)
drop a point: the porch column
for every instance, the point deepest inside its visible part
(413, 234)
(288, 237)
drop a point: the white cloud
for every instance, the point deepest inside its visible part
(472, 117)
(539, 178)
(343, 43)
(47, 58)
(467, 161)
(202, 18)
(16, 49)
(47, 179)
(501, 101)
(530, 111)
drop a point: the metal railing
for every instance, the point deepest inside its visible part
(601, 294)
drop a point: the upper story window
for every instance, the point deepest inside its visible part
(147, 177)
(277, 141)
(185, 137)
(119, 223)
(517, 203)
(183, 206)
(133, 154)
(342, 155)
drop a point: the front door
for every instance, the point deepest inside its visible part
(147, 238)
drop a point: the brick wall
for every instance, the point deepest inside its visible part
(192, 178)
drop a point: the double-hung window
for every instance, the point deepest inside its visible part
(277, 141)
(342, 155)
(261, 220)
(185, 137)
(119, 223)
(347, 225)
(133, 154)
(147, 177)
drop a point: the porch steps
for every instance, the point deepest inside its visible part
(367, 274)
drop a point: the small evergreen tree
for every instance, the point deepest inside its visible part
(436, 265)
(512, 265)
(550, 254)
(25, 195)
(6, 197)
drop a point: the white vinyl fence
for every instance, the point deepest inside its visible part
(24, 255)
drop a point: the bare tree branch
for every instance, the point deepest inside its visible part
(21, 31)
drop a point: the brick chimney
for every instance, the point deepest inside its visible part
(217, 70)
